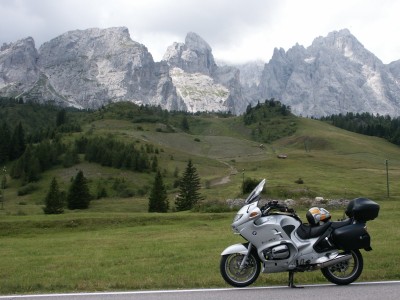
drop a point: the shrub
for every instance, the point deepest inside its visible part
(26, 190)
(249, 184)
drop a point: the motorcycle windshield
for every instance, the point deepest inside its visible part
(255, 193)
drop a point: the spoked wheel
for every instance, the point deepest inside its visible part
(347, 271)
(237, 276)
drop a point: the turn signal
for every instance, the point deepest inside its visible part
(254, 214)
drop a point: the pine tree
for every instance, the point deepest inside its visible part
(189, 187)
(5, 138)
(54, 200)
(61, 118)
(185, 123)
(27, 167)
(17, 144)
(158, 200)
(78, 195)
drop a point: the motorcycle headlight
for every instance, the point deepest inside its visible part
(237, 217)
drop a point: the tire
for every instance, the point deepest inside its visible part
(345, 272)
(230, 269)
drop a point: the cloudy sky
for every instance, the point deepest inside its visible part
(237, 30)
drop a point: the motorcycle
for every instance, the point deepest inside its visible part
(278, 241)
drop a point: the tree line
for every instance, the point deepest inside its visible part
(79, 197)
(269, 121)
(368, 124)
(111, 152)
(107, 151)
(262, 111)
(36, 143)
(37, 158)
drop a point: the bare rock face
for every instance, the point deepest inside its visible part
(97, 66)
(201, 84)
(193, 56)
(394, 68)
(18, 67)
(336, 74)
(93, 67)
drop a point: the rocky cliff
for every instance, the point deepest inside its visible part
(93, 67)
(90, 68)
(200, 82)
(336, 74)
(18, 66)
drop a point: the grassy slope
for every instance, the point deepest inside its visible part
(333, 163)
(107, 247)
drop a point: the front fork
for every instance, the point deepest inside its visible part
(246, 256)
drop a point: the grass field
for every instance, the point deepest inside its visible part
(116, 245)
(134, 251)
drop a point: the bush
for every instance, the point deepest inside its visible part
(26, 190)
(126, 193)
(249, 184)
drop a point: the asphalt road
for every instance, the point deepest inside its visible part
(365, 291)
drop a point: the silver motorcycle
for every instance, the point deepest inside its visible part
(278, 241)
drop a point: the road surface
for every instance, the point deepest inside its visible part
(389, 290)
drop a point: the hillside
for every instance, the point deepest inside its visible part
(332, 163)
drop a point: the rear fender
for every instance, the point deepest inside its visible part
(237, 248)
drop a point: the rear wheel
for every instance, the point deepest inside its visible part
(347, 271)
(236, 276)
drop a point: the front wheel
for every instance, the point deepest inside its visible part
(345, 272)
(237, 276)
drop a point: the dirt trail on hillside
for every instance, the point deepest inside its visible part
(225, 179)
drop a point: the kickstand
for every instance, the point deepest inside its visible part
(291, 279)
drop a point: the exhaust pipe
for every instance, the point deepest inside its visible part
(332, 262)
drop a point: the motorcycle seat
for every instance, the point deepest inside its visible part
(306, 231)
(338, 224)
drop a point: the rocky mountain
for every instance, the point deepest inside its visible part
(336, 74)
(18, 66)
(199, 81)
(93, 67)
(250, 76)
(87, 69)
(90, 68)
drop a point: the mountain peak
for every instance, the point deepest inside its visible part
(195, 42)
(91, 67)
(341, 32)
(341, 40)
(194, 56)
(336, 74)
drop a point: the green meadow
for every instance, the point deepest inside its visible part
(117, 245)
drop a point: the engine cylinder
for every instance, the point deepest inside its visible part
(278, 252)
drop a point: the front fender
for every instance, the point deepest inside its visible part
(237, 248)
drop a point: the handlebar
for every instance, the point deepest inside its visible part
(274, 205)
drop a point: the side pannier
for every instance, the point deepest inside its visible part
(352, 237)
